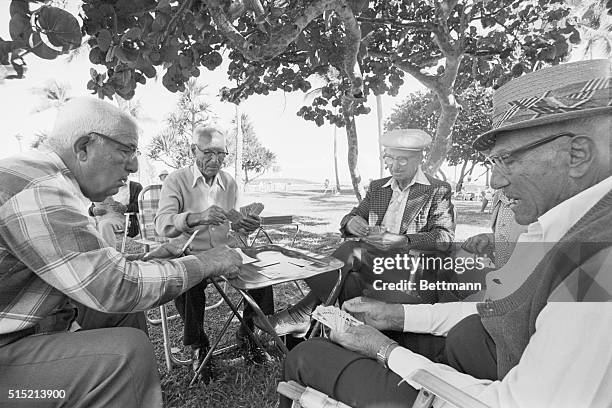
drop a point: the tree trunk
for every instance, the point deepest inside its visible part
(238, 159)
(336, 158)
(246, 177)
(353, 145)
(379, 118)
(442, 175)
(464, 173)
(442, 141)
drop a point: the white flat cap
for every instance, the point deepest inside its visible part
(406, 139)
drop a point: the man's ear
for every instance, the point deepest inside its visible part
(82, 147)
(583, 152)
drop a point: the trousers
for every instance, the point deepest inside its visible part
(191, 304)
(362, 382)
(102, 365)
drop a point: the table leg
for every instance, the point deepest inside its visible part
(237, 313)
(214, 346)
(333, 296)
(264, 319)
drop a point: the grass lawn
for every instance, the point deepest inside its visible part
(242, 385)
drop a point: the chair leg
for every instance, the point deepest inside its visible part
(166, 337)
(216, 305)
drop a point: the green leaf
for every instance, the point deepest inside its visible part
(105, 40)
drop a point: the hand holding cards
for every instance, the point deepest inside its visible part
(334, 318)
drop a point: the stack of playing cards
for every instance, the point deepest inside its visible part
(334, 318)
(252, 209)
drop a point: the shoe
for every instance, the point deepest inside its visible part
(251, 352)
(197, 357)
(289, 321)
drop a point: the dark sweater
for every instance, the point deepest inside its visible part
(511, 321)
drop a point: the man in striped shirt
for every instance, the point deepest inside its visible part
(51, 256)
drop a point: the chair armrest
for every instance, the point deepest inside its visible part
(307, 397)
(445, 391)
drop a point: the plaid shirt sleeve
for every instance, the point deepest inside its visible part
(46, 228)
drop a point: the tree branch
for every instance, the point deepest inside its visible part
(186, 5)
(430, 81)
(417, 25)
(282, 36)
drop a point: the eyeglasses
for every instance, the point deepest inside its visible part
(402, 161)
(503, 161)
(208, 154)
(129, 152)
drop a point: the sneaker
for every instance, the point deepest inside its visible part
(289, 321)
(251, 352)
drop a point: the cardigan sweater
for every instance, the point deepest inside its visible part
(582, 251)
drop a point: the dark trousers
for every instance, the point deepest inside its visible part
(191, 304)
(92, 319)
(362, 382)
(358, 277)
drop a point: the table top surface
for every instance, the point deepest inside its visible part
(278, 264)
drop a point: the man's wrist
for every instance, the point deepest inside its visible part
(382, 356)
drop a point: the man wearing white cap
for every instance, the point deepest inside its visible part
(545, 342)
(408, 211)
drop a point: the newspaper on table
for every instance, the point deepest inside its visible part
(334, 318)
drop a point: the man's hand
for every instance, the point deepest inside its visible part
(387, 241)
(247, 224)
(98, 211)
(357, 226)
(165, 251)
(220, 261)
(363, 339)
(213, 215)
(380, 315)
(480, 244)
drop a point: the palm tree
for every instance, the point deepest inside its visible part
(595, 26)
(53, 94)
(171, 145)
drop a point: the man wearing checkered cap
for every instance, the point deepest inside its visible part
(545, 343)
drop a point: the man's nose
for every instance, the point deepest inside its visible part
(498, 179)
(132, 165)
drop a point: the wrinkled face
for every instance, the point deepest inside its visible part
(402, 164)
(210, 153)
(108, 161)
(537, 179)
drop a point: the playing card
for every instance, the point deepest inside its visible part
(252, 209)
(334, 318)
(234, 216)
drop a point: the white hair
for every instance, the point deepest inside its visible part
(84, 115)
(208, 131)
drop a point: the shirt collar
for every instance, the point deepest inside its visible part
(197, 174)
(419, 177)
(558, 220)
(65, 171)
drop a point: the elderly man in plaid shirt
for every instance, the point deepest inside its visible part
(52, 256)
(546, 341)
(408, 211)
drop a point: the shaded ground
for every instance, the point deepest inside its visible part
(242, 385)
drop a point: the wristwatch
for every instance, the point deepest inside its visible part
(382, 356)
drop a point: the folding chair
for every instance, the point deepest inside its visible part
(148, 203)
(432, 387)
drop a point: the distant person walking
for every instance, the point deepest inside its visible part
(325, 186)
